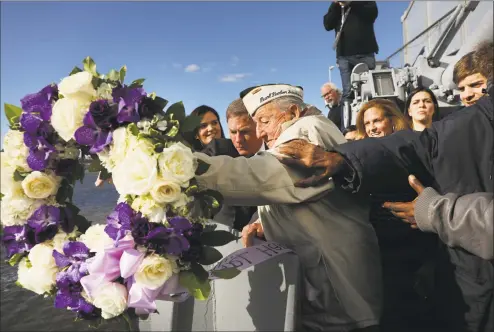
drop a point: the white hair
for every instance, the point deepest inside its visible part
(285, 102)
(332, 86)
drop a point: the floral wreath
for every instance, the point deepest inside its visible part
(157, 239)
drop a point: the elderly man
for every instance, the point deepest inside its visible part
(332, 98)
(327, 227)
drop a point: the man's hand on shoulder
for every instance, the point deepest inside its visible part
(300, 153)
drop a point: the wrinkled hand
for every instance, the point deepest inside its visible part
(406, 211)
(249, 231)
(300, 153)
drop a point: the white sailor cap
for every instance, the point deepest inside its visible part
(254, 98)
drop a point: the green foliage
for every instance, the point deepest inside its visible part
(90, 66)
(75, 70)
(176, 112)
(217, 238)
(19, 176)
(228, 273)
(113, 75)
(95, 165)
(65, 192)
(190, 123)
(137, 83)
(209, 255)
(13, 114)
(1, 196)
(133, 129)
(15, 259)
(200, 290)
(122, 73)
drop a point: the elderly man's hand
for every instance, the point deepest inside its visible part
(300, 153)
(251, 230)
(406, 211)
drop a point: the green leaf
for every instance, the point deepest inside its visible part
(1, 196)
(199, 271)
(74, 209)
(95, 166)
(137, 83)
(18, 176)
(75, 70)
(14, 260)
(209, 255)
(228, 273)
(90, 66)
(198, 289)
(133, 129)
(173, 131)
(122, 73)
(217, 238)
(96, 82)
(202, 167)
(65, 192)
(82, 223)
(176, 112)
(104, 174)
(190, 123)
(160, 102)
(113, 75)
(12, 113)
(191, 190)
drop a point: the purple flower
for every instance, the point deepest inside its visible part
(44, 221)
(128, 100)
(40, 151)
(104, 114)
(92, 135)
(15, 240)
(41, 102)
(75, 255)
(162, 239)
(70, 297)
(119, 221)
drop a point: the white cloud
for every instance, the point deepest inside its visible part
(233, 77)
(192, 68)
(234, 61)
(273, 70)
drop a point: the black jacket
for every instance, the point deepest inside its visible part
(225, 147)
(335, 114)
(455, 155)
(358, 35)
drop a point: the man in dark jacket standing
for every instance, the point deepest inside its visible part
(353, 22)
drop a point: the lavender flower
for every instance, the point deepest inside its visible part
(90, 134)
(128, 100)
(41, 102)
(69, 294)
(104, 114)
(40, 151)
(45, 221)
(119, 221)
(15, 240)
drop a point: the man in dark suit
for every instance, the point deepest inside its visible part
(243, 142)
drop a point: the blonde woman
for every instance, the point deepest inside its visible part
(379, 118)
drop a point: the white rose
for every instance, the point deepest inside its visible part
(39, 185)
(8, 186)
(137, 173)
(16, 210)
(36, 279)
(111, 298)
(41, 255)
(67, 116)
(96, 238)
(149, 208)
(122, 141)
(154, 271)
(177, 162)
(166, 191)
(15, 151)
(78, 86)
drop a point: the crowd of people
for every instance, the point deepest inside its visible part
(391, 218)
(375, 256)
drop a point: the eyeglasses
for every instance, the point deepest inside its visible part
(327, 94)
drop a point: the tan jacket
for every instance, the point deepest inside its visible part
(327, 227)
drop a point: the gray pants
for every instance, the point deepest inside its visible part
(346, 64)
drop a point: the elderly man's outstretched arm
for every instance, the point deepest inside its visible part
(258, 180)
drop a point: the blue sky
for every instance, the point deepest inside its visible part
(197, 52)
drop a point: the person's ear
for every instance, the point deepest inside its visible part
(294, 112)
